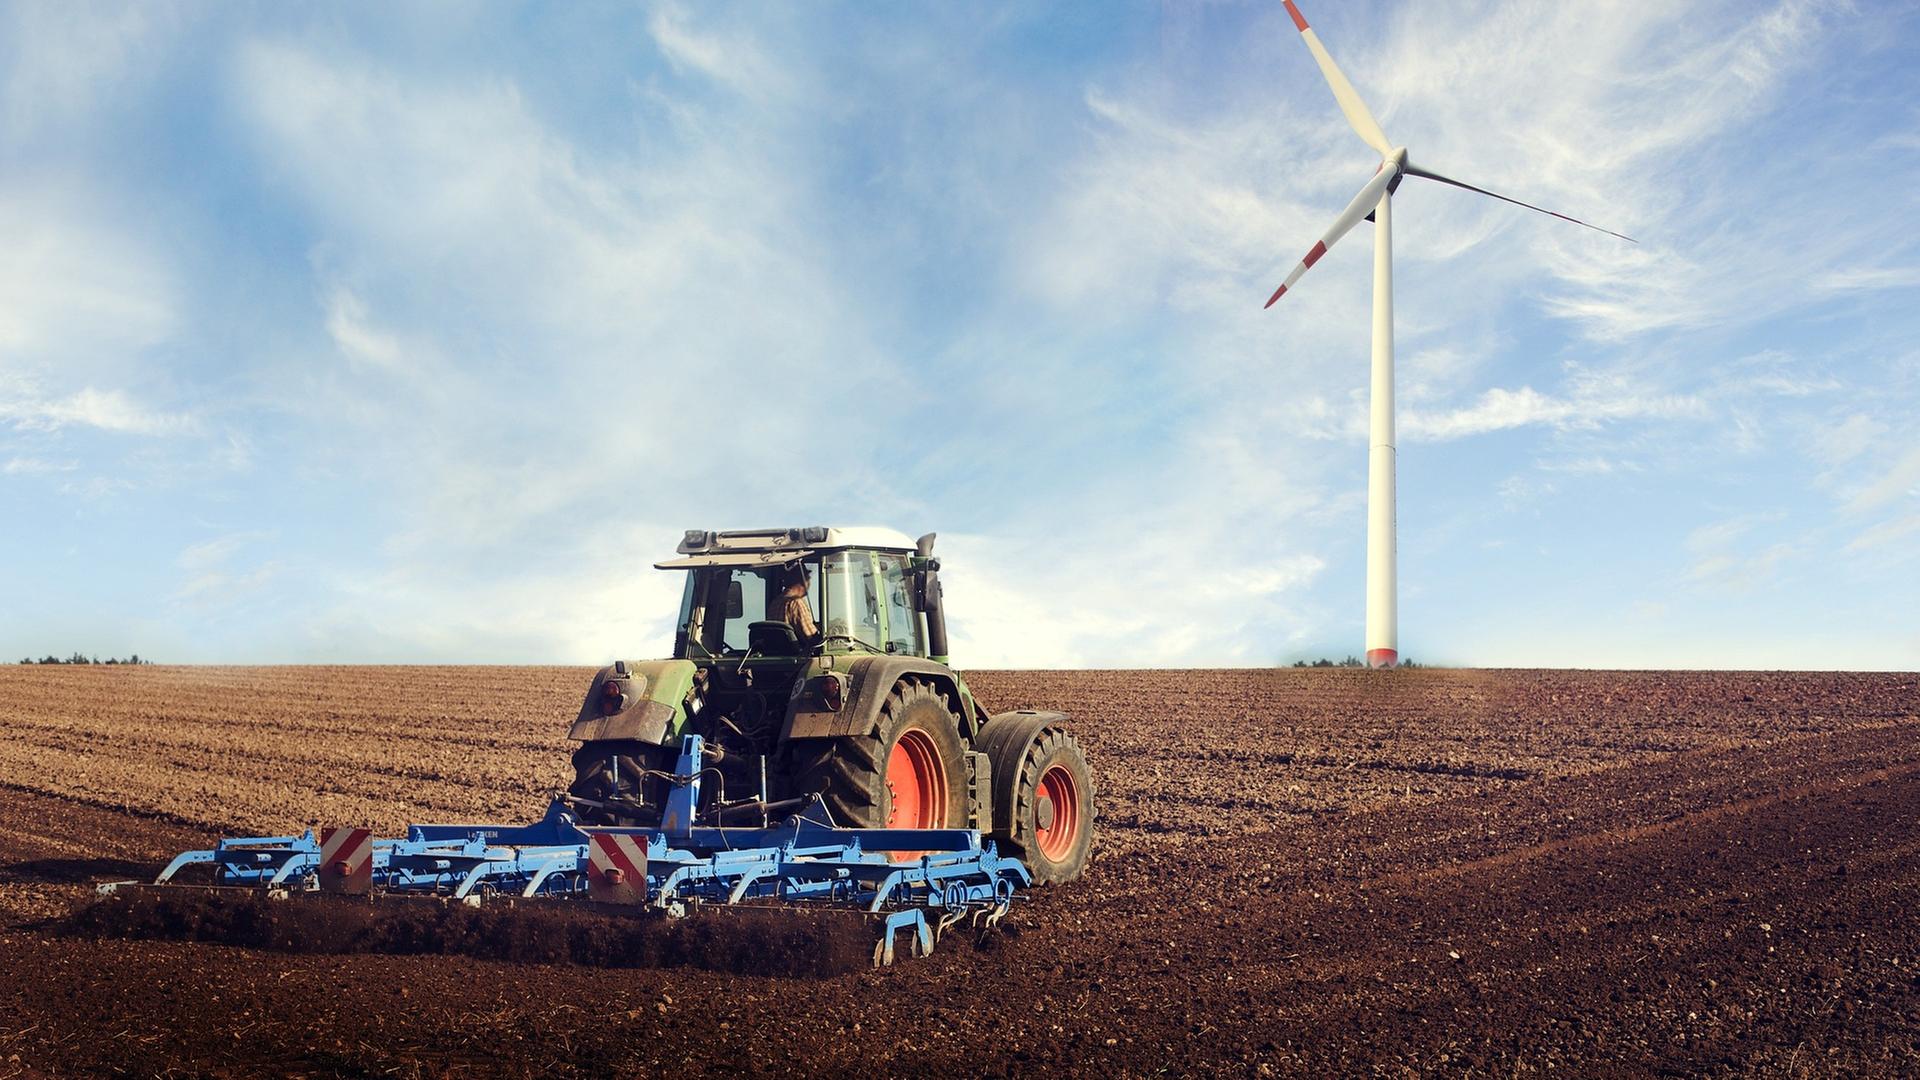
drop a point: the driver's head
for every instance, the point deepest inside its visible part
(796, 582)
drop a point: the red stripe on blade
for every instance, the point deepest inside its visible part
(358, 848)
(1277, 294)
(1299, 20)
(1313, 256)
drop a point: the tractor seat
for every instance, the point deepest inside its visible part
(772, 639)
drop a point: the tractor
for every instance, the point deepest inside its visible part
(813, 661)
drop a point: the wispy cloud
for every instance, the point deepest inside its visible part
(1587, 466)
(1721, 558)
(1902, 480)
(27, 466)
(1886, 532)
(1500, 410)
(357, 337)
(106, 410)
(1864, 279)
(1839, 443)
(1722, 534)
(210, 574)
(734, 60)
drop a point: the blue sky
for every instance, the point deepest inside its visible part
(347, 333)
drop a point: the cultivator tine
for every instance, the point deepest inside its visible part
(914, 921)
(617, 868)
(346, 861)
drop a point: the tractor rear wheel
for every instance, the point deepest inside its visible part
(1052, 813)
(622, 775)
(909, 774)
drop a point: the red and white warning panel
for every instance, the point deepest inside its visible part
(617, 868)
(346, 861)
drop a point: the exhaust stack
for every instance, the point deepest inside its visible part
(928, 568)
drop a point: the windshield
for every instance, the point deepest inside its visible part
(837, 599)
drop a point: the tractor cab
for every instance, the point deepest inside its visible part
(797, 593)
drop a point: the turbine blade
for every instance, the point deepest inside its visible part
(1431, 175)
(1343, 92)
(1359, 208)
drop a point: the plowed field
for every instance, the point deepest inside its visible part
(1297, 873)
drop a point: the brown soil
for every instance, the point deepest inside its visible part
(1299, 872)
(745, 940)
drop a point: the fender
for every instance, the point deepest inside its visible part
(866, 682)
(655, 697)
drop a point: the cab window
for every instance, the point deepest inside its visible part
(852, 597)
(903, 622)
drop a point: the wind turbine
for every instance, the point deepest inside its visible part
(1375, 202)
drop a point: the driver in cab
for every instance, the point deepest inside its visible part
(799, 613)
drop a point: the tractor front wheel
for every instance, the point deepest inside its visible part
(1051, 827)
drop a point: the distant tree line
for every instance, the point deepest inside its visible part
(83, 658)
(1350, 661)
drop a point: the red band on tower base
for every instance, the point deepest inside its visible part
(1382, 657)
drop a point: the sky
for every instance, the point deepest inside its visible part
(417, 333)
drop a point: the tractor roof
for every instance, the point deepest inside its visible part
(754, 547)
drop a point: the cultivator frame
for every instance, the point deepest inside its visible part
(922, 881)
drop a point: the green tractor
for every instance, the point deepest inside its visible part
(814, 661)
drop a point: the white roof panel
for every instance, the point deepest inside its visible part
(787, 540)
(867, 536)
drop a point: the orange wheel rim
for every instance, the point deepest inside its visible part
(1058, 787)
(917, 784)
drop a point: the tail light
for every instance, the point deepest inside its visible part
(612, 698)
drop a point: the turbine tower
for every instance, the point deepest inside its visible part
(1375, 202)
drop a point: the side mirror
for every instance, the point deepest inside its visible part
(736, 605)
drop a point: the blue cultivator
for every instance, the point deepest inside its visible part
(923, 881)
